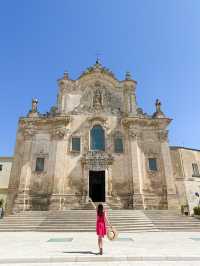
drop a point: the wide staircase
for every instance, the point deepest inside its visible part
(172, 221)
(84, 221)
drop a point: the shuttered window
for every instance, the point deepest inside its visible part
(153, 164)
(76, 144)
(118, 144)
(39, 165)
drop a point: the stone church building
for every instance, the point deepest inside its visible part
(96, 142)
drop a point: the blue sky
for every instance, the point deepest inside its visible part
(156, 40)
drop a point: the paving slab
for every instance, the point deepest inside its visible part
(81, 248)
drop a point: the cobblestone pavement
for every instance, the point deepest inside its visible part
(142, 249)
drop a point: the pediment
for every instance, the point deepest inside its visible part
(97, 68)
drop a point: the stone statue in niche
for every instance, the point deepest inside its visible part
(97, 99)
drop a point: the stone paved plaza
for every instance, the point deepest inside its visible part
(156, 248)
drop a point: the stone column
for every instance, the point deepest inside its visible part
(170, 182)
(136, 170)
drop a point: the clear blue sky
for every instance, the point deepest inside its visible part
(157, 40)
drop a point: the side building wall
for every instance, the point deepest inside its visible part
(186, 166)
(5, 169)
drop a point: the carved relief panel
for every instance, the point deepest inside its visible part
(94, 98)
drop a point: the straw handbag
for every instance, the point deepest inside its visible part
(112, 233)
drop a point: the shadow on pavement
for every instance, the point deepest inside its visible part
(81, 252)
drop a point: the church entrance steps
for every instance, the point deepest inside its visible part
(172, 221)
(84, 221)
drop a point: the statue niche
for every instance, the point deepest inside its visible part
(97, 99)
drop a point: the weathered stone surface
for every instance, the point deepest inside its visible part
(96, 98)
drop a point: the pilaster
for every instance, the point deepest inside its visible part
(59, 144)
(136, 169)
(22, 201)
(170, 182)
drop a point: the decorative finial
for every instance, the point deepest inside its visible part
(128, 75)
(65, 75)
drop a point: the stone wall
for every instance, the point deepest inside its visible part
(186, 182)
(6, 164)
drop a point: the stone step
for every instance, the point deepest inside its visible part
(85, 220)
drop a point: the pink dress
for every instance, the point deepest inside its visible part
(101, 225)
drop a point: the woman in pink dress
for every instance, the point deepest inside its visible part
(101, 226)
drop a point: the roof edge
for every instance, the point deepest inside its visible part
(181, 147)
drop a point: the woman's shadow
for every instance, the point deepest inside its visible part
(81, 252)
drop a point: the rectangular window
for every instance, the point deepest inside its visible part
(39, 165)
(1, 167)
(119, 145)
(195, 169)
(76, 144)
(152, 164)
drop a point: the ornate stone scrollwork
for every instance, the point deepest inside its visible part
(97, 160)
(101, 120)
(136, 135)
(163, 136)
(28, 130)
(59, 133)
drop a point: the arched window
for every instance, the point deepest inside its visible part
(97, 138)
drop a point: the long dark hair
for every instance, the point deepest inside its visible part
(100, 210)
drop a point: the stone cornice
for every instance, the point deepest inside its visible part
(56, 126)
(42, 121)
(103, 119)
(160, 123)
(6, 159)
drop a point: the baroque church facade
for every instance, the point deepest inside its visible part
(96, 142)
